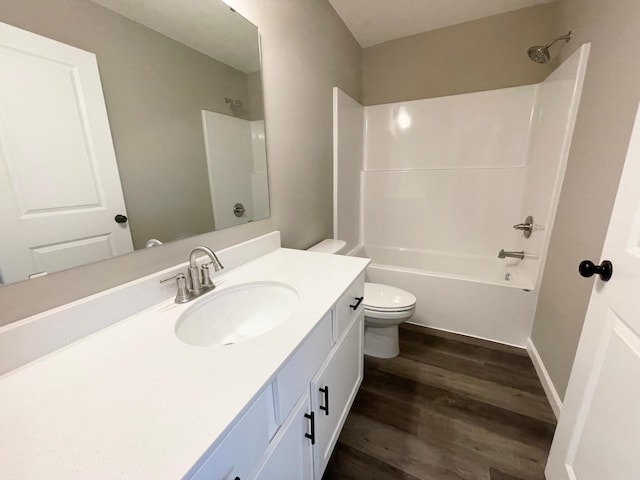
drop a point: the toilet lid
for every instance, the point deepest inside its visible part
(385, 297)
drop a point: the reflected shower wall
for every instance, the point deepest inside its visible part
(237, 169)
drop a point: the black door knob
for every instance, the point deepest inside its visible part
(121, 219)
(587, 269)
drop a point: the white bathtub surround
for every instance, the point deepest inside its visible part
(558, 99)
(446, 175)
(348, 118)
(259, 178)
(447, 212)
(471, 131)
(443, 182)
(132, 400)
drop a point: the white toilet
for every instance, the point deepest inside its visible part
(385, 307)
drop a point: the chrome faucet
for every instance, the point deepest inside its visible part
(505, 254)
(199, 280)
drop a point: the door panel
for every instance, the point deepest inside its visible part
(599, 427)
(607, 406)
(59, 183)
(46, 105)
(53, 258)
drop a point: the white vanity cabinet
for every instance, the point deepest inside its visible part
(303, 446)
(312, 394)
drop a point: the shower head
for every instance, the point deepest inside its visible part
(540, 53)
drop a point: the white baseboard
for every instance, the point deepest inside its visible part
(474, 339)
(545, 379)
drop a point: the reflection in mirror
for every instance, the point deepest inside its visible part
(124, 124)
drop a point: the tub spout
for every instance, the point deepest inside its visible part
(505, 254)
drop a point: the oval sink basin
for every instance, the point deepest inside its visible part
(236, 314)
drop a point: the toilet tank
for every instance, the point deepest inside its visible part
(328, 246)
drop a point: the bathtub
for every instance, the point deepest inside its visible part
(482, 297)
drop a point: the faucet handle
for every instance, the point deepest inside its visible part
(175, 277)
(183, 295)
(206, 276)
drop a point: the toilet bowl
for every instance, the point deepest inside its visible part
(385, 308)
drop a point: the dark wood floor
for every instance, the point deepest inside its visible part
(446, 408)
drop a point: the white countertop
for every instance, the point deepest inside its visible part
(132, 401)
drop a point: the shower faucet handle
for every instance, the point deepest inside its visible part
(526, 227)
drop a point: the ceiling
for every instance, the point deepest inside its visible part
(377, 21)
(209, 27)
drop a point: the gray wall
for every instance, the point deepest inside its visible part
(256, 99)
(306, 51)
(480, 55)
(603, 129)
(154, 90)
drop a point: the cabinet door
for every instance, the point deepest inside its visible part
(239, 452)
(290, 455)
(293, 379)
(333, 389)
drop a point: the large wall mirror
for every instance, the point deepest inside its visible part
(124, 124)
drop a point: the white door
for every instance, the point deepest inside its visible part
(598, 434)
(59, 184)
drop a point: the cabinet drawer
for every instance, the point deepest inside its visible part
(239, 452)
(344, 310)
(293, 380)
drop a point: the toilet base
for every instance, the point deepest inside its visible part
(381, 342)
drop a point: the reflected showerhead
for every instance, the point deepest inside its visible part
(236, 106)
(540, 53)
